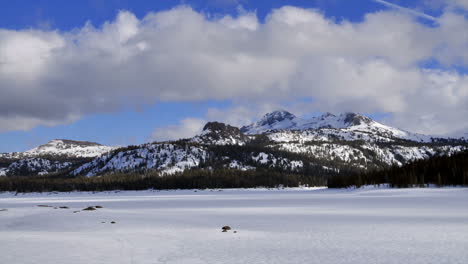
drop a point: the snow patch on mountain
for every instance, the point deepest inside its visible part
(235, 164)
(269, 159)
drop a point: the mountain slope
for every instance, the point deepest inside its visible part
(166, 157)
(55, 156)
(173, 157)
(34, 166)
(438, 170)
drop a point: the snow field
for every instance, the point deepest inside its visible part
(273, 226)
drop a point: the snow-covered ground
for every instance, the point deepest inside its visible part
(273, 226)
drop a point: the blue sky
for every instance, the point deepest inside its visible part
(136, 123)
(66, 15)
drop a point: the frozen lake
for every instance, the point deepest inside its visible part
(273, 226)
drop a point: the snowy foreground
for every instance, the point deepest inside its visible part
(273, 226)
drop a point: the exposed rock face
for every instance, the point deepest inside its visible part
(275, 120)
(355, 119)
(276, 117)
(220, 134)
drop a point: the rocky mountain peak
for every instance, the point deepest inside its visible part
(276, 116)
(354, 119)
(220, 134)
(218, 127)
(327, 115)
(279, 119)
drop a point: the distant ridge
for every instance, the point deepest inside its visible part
(63, 147)
(282, 120)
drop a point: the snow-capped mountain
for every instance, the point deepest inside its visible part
(54, 156)
(64, 148)
(347, 126)
(280, 141)
(349, 139)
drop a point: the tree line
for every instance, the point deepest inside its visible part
(437, 170)
(189, 179)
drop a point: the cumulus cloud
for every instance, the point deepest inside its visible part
(186, 128)
(459, 3)
(51, 77)
(458, 6)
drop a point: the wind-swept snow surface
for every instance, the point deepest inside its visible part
(276, 226)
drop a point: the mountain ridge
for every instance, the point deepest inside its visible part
(282, 120)
(62, 147)
(278, 141)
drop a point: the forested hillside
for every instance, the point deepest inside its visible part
(437, 170)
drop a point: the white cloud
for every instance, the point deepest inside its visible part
(26, 53)
(186, 128)
(453, 47)
(457, 6)
(459, 3)
(235, 116)
(50, 77)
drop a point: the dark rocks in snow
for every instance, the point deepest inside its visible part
(226, 228)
